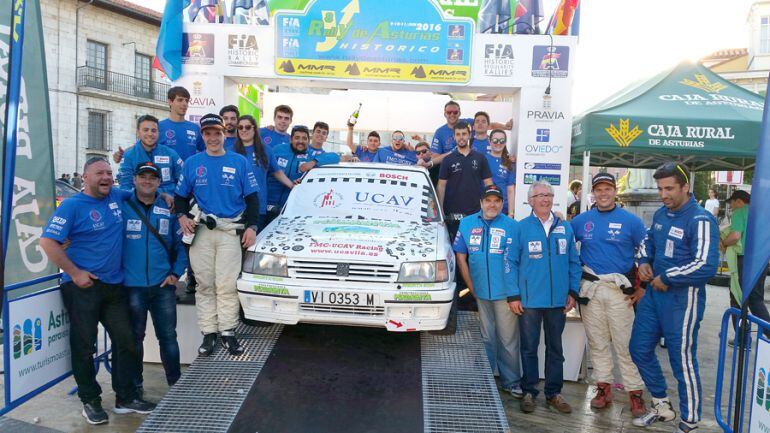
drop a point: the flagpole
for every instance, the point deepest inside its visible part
(741, 340)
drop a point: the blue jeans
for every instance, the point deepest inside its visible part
(553, 321)
(161, 303)
(500, 332)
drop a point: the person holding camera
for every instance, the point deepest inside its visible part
(609, 237)
(225, 190)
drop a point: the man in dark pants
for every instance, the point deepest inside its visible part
(153, 260)
(739, 202)
(92, 289)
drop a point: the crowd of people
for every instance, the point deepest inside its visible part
(193, 196)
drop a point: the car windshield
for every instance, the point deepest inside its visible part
(365, 193)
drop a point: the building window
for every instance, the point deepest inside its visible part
(764, 36)
(99, 132)
(143, 75)
(96, 64)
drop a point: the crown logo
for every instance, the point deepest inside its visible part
(623, 134)
(197, 86)
(703, 83)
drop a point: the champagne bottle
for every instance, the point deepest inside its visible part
(354, 117)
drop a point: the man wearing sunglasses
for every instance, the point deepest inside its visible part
(425, 159)
(680, 254)
(397, 153)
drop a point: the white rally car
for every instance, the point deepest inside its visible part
(356, 244)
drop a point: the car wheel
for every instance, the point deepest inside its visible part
(249, 322)
(451, 323)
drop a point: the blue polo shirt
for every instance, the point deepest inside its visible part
(94, 228)
(219, 183)
(183, 137)
(400, 157)
(501, 176)
(363, 154)
(465, 181)
(261, 172)
(230, 143)
(273, 138)
(609, 239)
(482, 146)
(444, 138)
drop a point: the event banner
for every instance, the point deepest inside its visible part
(39, 342)
(491, 15)
(206, 94)
(760, 398)
(33, 200)
(373, 40)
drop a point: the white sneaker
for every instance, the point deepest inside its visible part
(516, 392)
(660, 411)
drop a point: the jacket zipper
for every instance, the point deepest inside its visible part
(486, 250)
(147, 250)
(548, 245)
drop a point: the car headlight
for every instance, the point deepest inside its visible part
(423, 272)
(265, 264)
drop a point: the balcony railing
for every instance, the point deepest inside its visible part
(121, 83)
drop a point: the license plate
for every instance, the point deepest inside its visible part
(340, 298)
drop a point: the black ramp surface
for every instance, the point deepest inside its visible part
(335, 379)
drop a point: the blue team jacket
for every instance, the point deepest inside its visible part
(162, 156)
(682, 246)
(490, 246)
(145, 260)
(548, 266)
(289, 162)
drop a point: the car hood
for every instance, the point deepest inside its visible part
(354, 239)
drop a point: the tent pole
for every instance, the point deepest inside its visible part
(586, 180)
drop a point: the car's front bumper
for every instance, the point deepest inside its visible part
(396, 307)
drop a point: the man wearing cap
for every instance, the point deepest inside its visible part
(295, 159)
(91, 222)
(147, 149)
(680, 254)
(549, 272)
(484, 246)
(609, 238)
(153, 260)
(739, 202)
(225, 189)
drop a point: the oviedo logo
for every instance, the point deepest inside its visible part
(623, 134)
(702, 83)
(27, 338)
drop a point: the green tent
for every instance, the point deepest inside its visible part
(687, 113)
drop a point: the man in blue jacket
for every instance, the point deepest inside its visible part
(147, 149)
(291, 158)
(549, 279)
(153, 261)
(483, 246)
(680, 255)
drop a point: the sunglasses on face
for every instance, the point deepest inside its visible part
(420, 152)
(497, 140)
(452, 112)
(398, 138)
(244, 127)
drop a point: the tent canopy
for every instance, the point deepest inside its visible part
(687, 113)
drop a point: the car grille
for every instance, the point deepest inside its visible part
(357, 310)
(354, 272)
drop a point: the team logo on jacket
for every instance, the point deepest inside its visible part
(589, 226)
(170, 133)
(200, 171)
(676, 232)
(95, 215)
(535, 247)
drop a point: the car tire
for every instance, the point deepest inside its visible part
(451, 323)
(249, 322)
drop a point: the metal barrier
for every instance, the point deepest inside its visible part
(726, 422)
(10, 404)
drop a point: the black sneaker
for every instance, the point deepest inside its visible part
(207, 347)
(136, 405)
(231, 343)
(191, 283)
(94, 414)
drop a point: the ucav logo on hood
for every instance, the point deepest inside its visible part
(377, 198)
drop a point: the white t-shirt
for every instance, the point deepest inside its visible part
(712, 205)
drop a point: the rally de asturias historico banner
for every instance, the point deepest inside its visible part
(373, 40)
(36, 338)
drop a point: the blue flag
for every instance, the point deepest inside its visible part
(12, 117)
(757, 248)
(169, 49)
